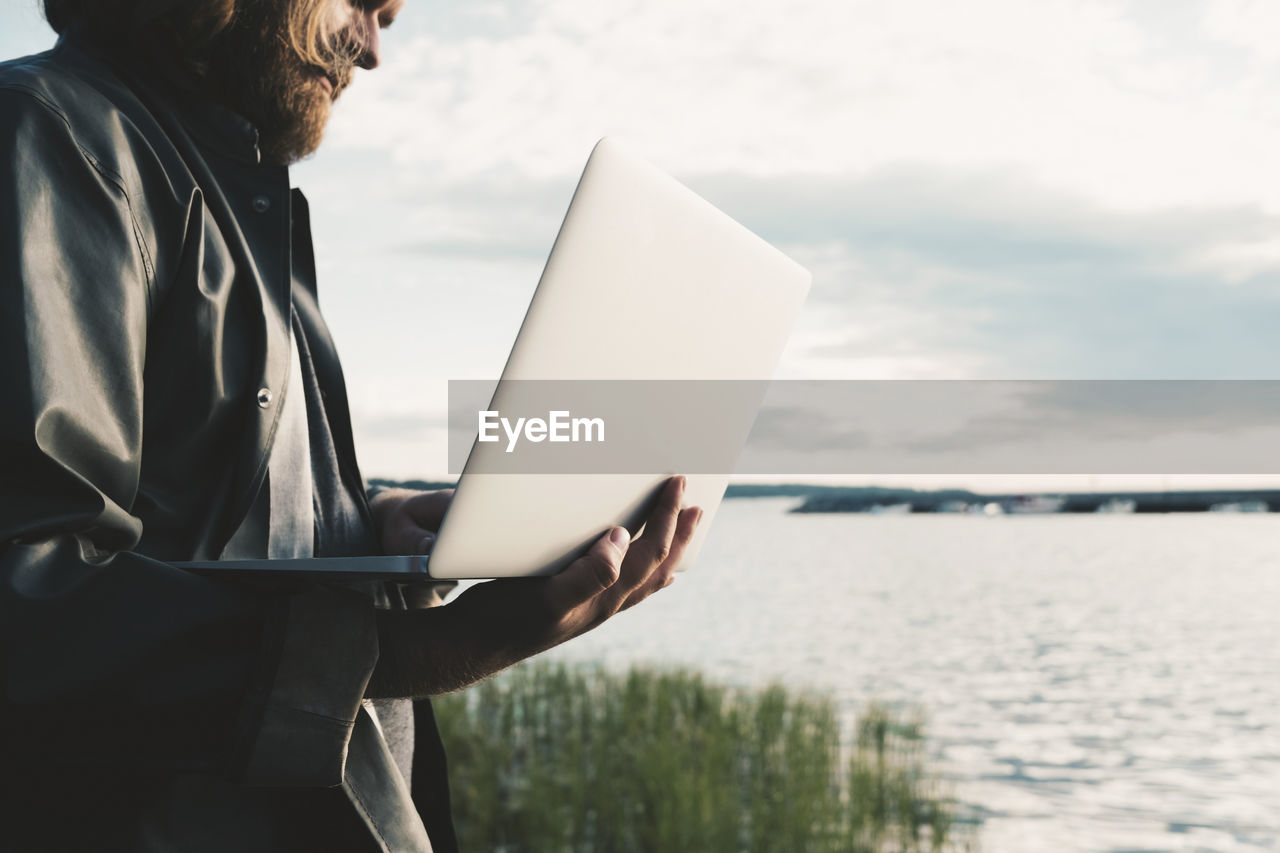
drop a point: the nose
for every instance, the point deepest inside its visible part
(367, 40)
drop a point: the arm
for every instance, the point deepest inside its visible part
(496, 624)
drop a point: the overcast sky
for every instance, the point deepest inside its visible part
(990, 189)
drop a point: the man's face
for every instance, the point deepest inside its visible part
(257, 72)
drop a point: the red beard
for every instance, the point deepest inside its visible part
(254, 71)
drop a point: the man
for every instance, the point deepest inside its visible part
(171, 393)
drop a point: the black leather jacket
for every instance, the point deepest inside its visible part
(146, 267)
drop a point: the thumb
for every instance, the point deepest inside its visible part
(405, 537)
(590, 574)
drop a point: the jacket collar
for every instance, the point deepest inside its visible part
(210, 124)
(218, 128)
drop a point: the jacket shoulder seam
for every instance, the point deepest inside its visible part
(148, 266)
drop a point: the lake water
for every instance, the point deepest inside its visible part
(1090, 682)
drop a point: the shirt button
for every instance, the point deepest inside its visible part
(264, 397)
(261, 203)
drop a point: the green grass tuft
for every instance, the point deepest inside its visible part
(555, 758)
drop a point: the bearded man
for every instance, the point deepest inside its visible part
(171, 393)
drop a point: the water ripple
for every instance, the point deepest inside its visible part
(1091, 682)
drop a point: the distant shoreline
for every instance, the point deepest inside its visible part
(910, 501)
(877, 499)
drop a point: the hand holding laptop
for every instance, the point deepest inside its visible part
(494, 625)
(407, 520)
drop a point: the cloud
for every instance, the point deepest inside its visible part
(1245, 24)
(1040, 283)
(808, 429)
(1084, 413)
(1016, 427)
(919, 272)
(403, 426)
(1059, 189)
(1127, 103)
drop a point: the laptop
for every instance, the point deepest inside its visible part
(647, 283)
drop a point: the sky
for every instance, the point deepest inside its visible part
(1004, 189)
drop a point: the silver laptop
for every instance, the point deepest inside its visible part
(646, 281)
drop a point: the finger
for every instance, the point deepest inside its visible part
(427, 509)
(660, 527)
(663, 576)
(590, 574)
(405, 537)
(684, 536)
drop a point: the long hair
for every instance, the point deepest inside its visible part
(177, 34)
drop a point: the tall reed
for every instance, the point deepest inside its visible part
(557, 758)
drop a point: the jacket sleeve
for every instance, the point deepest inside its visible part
(108, 656)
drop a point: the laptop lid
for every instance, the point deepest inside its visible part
(647, 283)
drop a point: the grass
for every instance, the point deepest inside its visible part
(555, 758)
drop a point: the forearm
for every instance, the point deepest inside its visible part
(432, 651)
